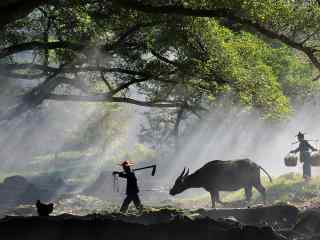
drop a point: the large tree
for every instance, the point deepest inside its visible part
(171, 54)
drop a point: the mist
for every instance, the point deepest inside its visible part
(238, 133)
(222, 134)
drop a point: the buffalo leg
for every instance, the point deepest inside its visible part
(261, 190)
(217, 197)
(248, 192)
(213, 199)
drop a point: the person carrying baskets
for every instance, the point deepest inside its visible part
(305, 157)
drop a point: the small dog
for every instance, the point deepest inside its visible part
(44, 209)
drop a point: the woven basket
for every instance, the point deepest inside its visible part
(315, 159)
(291, 160)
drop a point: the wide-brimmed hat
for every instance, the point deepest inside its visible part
(300, 134)
(126, 163)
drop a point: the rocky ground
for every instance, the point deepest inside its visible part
(79, 216)
(280, 221)
(101, 227)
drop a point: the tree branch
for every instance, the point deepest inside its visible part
(32, 98)
(36, 45)
(220, 13)
(131, 30)
(128, 84)
(106, 81)
(106, 98)
(13, 67)
(164, 59)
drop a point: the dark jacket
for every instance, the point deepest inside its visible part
(132, 186)
(304, 147)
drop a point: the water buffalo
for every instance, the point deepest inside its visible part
(220, 175)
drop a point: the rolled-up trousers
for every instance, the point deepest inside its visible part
(131, 197)
(306, 169)
(306, 159)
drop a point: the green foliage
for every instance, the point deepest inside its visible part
(190, 61)
(212, 59)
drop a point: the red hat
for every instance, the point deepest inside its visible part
(126, 163)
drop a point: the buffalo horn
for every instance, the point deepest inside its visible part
(184, 169)
(187, 173)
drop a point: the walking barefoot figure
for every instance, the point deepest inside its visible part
(132, 187)
(305, 157)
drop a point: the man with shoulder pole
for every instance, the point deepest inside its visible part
(132, 189)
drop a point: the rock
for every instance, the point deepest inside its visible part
(308, 223)
(53, 184)
(263, 233)
(232, 221)
(282, 214)
(96, 227)
(16, 190)
(15, 181)
(163, 215)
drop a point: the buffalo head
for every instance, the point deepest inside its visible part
(180, 185)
